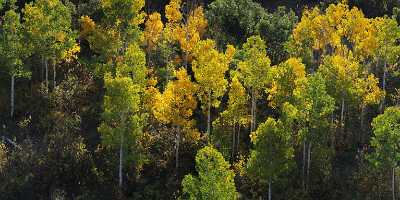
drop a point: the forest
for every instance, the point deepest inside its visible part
(200, 99)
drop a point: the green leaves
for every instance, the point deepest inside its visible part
(215, 179)
(48, 27)
(386, 139)
(272, 153)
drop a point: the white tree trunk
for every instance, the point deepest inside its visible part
(269, 190)
(54, 74)
(233, 144)
(209, 114)
(177, 140)
(393, 183)
(120, 160)
(382, 106)
(308, 163)
(47, 73)
(12, 95)
(304, 165)
(342, 116)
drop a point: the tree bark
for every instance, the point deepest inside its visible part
(12, 95)
(209, 114)
(393, 183)
(233, 144)
(177, 141)
(382, 106)
(342, 116)
(269, 190)
(237, 141)
(308, 163)
(304, 165)
(120, 160)
(47, 73)
(253, 111)
(54, 74)
(361, 139)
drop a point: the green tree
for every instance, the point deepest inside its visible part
(236, 113)
(122, 123)
(272, 153)
(314, 107)
(215, 180)
(13, 51)
(209, 67)
(48, 25)
(388, 33)
(385, 142)
(253, 71)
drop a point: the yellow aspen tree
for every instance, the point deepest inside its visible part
(209, 67)
(175, 106)
(284, 80)
(236, 113)
(253, 70)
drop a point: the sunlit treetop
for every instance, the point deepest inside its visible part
(153, 29)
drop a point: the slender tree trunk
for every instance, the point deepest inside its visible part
(46, 65)
(382, 106)
(361, 139)
(12, 94)
(120, 160)
(393, 183)
(253, 111)
(177, 141)
(308, 163)
(209, 114)
(342, 116)
(237, 141)
(269, 190)
(304, 165)
(233, 144)
(54, 74)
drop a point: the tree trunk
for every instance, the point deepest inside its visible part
(12, 94)
(269, 190)
(209, 114)
(47, 73)
(304, 165)
(382, 106)
(237, 141)
(342, 116)
(120, 160)
(361, 136)
(308, 163)
(177, 141)
(393, 183)
(54, 74)
(233, 144)
(253, 111)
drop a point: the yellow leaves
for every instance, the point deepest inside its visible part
(176, 104)
(87, 26)
(153, 29)
(71, 54)
(209, 67)
(369, 91)
(172, 11)
(286, 77)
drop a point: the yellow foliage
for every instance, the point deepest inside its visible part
(153, 29)
(176, 104)
(87, 26)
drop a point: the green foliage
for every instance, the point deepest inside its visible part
(386, 139)
(121, 118)
(272, 154)
(215, 180)
(13, 50)
(48, 28)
